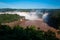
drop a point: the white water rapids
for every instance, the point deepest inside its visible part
(27, 15)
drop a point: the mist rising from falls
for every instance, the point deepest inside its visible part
(29, 15)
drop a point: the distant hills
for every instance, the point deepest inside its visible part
(26, 10)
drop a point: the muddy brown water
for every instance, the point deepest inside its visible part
(37, 23)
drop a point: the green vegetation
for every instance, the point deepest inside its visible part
(56, 17)
(9, 17)
(29, 33)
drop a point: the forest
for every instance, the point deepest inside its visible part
(29, 33)
(4, 18)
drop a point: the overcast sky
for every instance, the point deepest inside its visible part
(27, 4)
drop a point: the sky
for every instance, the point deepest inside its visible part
(30, 4)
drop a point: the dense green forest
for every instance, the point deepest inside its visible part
(29, 33)
(9, 17)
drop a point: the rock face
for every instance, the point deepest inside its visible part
(50, 20)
